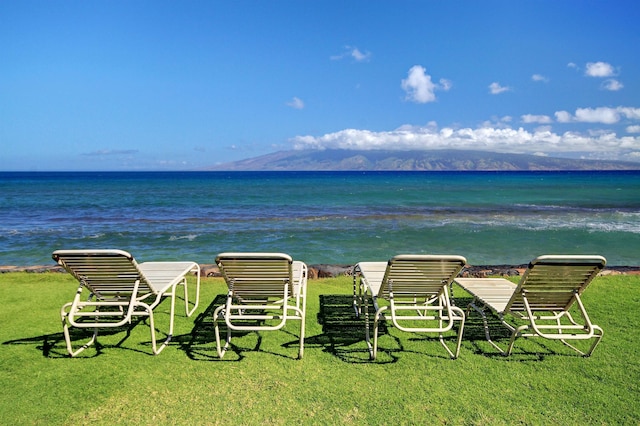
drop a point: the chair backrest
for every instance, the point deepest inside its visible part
(420, 275)
(551, 282)
(256, 275)
(106, 273)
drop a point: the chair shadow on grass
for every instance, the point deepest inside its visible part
(200, 344)
(53, 345)
(343, 332)
(525, 349)
(343, 335)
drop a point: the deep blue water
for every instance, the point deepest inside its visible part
(322, 217)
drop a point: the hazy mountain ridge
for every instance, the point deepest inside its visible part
(434, 160)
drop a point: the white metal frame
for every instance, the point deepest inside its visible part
(262, 287)
(117, 288)
(410, 283)
(541, 302)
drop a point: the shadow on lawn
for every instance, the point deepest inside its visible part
(53, 345)
(341, 329)
(525, 349)
(343, 334)
(200, 344)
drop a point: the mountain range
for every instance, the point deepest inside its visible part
(432, 160)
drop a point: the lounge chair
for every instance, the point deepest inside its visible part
(416, 289)
(265, 291)
(542, 299)
(118, 289)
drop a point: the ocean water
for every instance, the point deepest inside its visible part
(322, 217)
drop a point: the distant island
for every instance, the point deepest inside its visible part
(431, 160)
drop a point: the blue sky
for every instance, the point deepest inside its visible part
(182, 85)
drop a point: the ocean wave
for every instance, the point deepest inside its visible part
(183, 237)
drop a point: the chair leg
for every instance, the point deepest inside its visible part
(302, 326)
(485, 323)
(67, 336)
(460, 332)
(216, 327)
(597, 337)
(455, 354)
(164, 344)
(377, 316)
(514, 335)
(188, 311)
(376, 326)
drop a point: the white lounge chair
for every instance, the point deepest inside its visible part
(263, 287)
(118, 289)
(416, 288)
(540, 303)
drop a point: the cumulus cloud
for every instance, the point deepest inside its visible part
(539, 142)
(296, 103)
(599, 69)
(597, 115)
(354, 53)
(563, 116)
(539, 77)
(418, 85)
(612, 85)
(603, 115)
(541, 119)
(495, 88)
(633, 129)
(630, 113)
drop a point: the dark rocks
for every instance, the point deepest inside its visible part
(329, 271)
(32, 269)
(484, 271)
(210, 271)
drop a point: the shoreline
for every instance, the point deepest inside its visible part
(334, 270)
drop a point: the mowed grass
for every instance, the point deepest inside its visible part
(259, 381)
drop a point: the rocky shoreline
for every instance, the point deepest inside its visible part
(330, 271)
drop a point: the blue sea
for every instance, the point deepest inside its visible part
(322, 217)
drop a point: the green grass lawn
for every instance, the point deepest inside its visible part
(259, 381)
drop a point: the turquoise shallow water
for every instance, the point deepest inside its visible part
(322, 217)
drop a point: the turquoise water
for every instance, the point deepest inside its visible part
(322, 217)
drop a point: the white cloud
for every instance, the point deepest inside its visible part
(419, 87)
(603, 115)
(541, 119)
(497, 122)
(563, 116)
(597, 115)
(599, 69)
(296, 103)
(353, 52)
(540, 142)
(630, 113)
(359, 56)
(539, 77)
(445, 84)
(633, 129)
(495, 88)
(612, 84)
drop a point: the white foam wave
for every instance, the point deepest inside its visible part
(190, 237)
